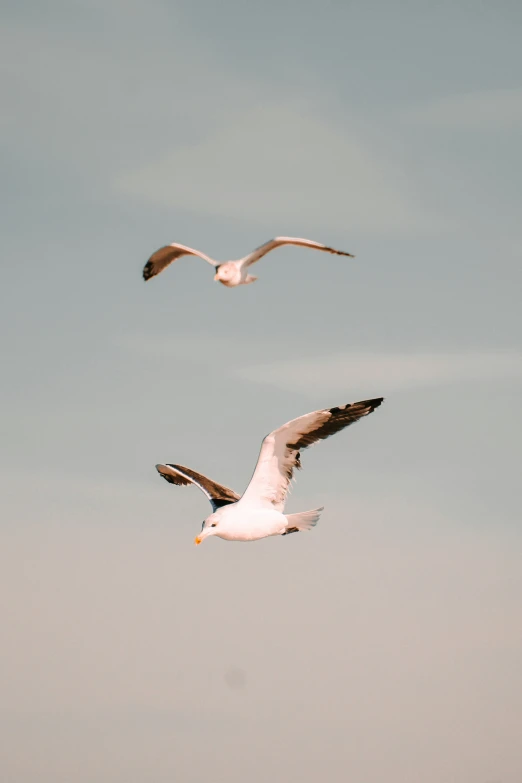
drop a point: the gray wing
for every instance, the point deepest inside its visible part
(166, 255)
(279, 241)
(281, 449)
(216, 493)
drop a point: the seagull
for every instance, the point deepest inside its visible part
(259, 513)
(230, 273)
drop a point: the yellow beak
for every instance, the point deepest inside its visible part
(198, 540)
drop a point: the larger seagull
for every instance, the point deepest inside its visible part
(230, 273)
(259, 513)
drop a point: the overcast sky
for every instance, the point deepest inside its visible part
(384, 646)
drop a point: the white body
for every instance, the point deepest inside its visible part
(242, 522)
(233, 273)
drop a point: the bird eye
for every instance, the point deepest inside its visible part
(213, 524)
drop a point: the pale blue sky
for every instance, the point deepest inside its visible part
(386, 644)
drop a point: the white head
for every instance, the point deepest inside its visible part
(227, 273)
(210, 527)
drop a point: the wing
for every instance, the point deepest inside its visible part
(216, 493)
(280, 451)
(279, 241)
(166, 255)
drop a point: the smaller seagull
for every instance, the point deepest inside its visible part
(230, 273)
(260, 511)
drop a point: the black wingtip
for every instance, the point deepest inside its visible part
(165, 476)
(177, 479)
(371, 404)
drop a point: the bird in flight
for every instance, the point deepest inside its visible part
(230, 273)
(260, 511)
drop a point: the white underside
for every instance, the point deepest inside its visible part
(246, 522)
(233, 273)
(237, 523)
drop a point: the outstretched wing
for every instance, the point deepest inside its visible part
(216, 493)
(280, 451)
(279, 241)
(166, 255)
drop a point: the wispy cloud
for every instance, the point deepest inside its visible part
(380, 373)
(481, 110)
(369, 372)
(285, 163)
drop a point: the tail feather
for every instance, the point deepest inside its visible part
(303, 520)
